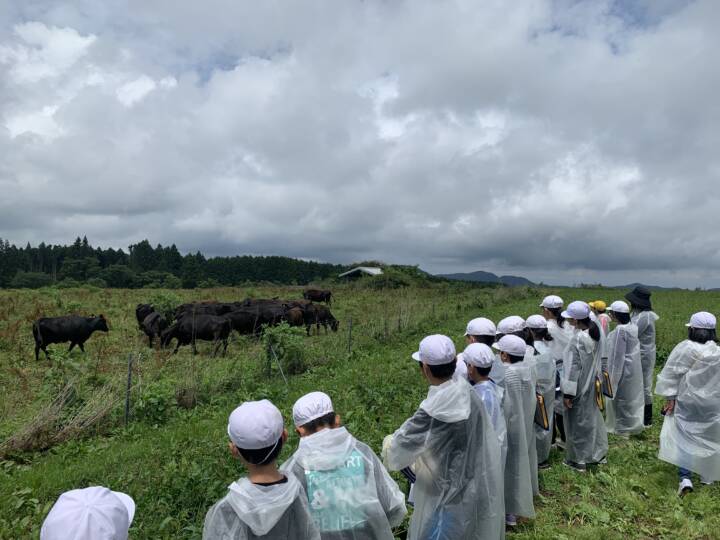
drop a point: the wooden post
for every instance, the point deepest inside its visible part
(127, 389)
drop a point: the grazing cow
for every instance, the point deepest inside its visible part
(142, 311)
(77, 330)
(204, 308)
(318, 295)
(319, 315)
(204, 327)
(295, 317)
(153, 325)
(244, 321)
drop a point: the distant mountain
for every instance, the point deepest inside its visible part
(488, 277)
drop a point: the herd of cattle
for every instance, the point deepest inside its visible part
(207, 321)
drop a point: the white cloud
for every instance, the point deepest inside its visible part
(134, 91)
(563, 140)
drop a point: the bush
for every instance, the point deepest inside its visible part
(155, 403)
(165, 303)
(68, 283)
(97, 282)
(286, 344)
(30, 280)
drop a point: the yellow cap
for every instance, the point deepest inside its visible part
(599, 305)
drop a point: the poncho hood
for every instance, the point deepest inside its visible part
(325, 450)
(449, 401)
(261, 507)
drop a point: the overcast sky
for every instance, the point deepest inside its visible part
(565, 141)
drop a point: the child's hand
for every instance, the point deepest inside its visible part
(385, 448)
(669, 407)
(568, 403)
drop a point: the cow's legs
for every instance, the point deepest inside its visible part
(37, 351)
(72, 344)
(82, 348)
(194, 348)
(47, 354)
(177, 347)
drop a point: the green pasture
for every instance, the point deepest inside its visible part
(172, 456)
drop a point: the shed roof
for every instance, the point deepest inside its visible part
(369, 270)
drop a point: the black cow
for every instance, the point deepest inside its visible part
(77, 330)
(318, 295)
(153, 325)
(204, 308)
(319, 315)
(191, 328)
(244, 321)
(142, 311)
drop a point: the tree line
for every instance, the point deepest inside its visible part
(146, 266)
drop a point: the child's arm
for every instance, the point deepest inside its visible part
(408, 442)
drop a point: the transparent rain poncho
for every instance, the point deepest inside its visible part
(453, 447)
(679, 362)
(544, 366)
(492, 397)
(690, 436)
(351, 495)
(645, 321)
(497, 371)
(519, 404)
(584, 425)
(250, 511)
(624, 412)
(561, 339)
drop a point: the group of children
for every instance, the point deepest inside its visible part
(473, 447)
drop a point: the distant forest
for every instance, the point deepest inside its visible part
(146, 266)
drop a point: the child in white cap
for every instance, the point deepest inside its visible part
(479, 359)
(584, 424)
(624, 401)
(519, 404)
(482, 330)
(266, 504)
(93, 513)
(351, 494)
(453, 448)
(690, 384)
(545, 373)
(561, 332)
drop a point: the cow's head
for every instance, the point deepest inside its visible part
(101, 323)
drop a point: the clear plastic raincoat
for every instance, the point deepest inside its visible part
(459, 489)
(250, 511)
(545, 370)
(350, 493)
(561, 339)
(690, 436)
(519, 404)
(584, 425)
(645, 321)
(497, 372)
(624, 412)
(492, 397)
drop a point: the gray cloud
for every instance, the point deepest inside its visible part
(566, 141)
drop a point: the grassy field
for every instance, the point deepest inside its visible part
(173, 460)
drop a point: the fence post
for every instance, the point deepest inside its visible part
(349, 348)
(127, 389)
(399, 319)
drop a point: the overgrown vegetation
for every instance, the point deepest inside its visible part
(173, 459)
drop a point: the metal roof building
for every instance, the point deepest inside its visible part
(360, 270)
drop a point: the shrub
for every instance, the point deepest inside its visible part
(30, 280)
(165, 302)
(155, 403)
(285, 344)
(97, 282)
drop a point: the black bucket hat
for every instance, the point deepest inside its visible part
(640, 297)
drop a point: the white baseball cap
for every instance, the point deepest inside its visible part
(435, 350)
(511, 324)
(480, 327)
(479, 355)
(255, 425)
(618, 306)
(513, 345)
(93, 513)
(577, 310)
(703, 320)
(311, 407)
(536, 321)
(552, 302)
